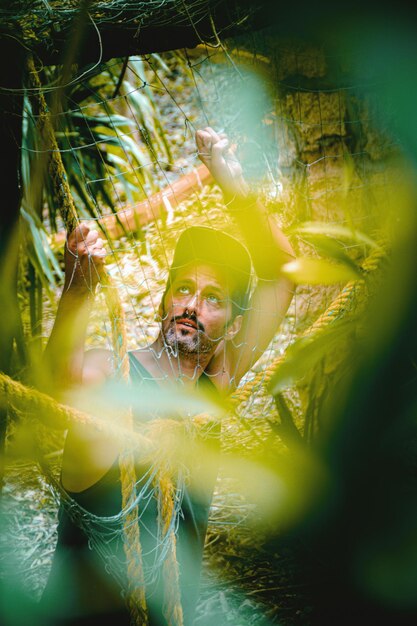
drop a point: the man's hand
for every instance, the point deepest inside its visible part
(219, 157)
(84, 259)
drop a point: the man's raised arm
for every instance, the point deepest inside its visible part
(88, 454)
(64, 354)
(269, 249)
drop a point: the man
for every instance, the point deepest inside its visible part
(210, 335)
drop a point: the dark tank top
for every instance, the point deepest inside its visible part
(80, 590)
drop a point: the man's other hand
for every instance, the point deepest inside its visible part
(219, 157)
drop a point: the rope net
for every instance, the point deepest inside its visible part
(49, 18)
(126, 140)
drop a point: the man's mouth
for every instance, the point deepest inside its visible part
(186, 322)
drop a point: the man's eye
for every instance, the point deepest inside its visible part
(212, 299)
(183, 289)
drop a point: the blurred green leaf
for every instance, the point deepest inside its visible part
(334, 249)
(336, 231)
(304, 355)
(306, 270)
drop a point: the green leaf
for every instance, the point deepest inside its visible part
(161, 62)
(327, 246)
(303, 356)
(111, 121)
(335, 231)
(306, 270)
(40, 253)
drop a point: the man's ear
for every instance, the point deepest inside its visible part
(233, 328)
(161, 309)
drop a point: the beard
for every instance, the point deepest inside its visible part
(188, 343)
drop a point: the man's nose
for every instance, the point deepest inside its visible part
(192, 303)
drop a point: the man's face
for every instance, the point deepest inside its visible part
(196, 310)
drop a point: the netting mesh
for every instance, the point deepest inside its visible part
(310, 152)
(57, 15)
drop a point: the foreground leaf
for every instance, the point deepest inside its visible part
(306, 270)
(304, 355)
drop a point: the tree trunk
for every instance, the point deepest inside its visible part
(11, 106)
(138, 30)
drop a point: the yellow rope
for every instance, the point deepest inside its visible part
(172, 597)
(135, 595)
(62, 193)
(40, 406)
(136, 592)
(30, 402)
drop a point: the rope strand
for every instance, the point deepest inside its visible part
(135, 596)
